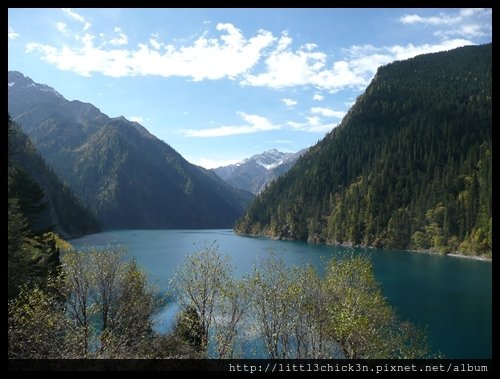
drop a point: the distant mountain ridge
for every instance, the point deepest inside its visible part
(124, 174)
(254, 173)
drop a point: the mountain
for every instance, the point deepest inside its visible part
(409, 167)
(254, 173)
(124, 174)
(63, 210)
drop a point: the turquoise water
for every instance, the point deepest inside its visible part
(451, 297)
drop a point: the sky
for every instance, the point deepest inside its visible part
(220, 85)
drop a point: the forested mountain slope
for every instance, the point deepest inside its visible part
(408, 167)
(125, 175)
(63, 211)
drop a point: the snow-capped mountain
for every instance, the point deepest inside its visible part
(20, 82)
(271, 159)
(254, 173)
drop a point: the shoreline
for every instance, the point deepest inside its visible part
(453, 255)
(477, 258)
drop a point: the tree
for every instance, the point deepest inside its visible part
(77, 291)
(308, 304)
(168, 346)
(19, 249)
(360, 320)
(37, 323)
(29, 194)
(104, 288)
(271, 287)
(198, 284)
(232, 308)
(98, 306)
(212, 302)
(100, 284)
(342, 315)
(132, 307)
(32, 254)
(188, 328)
(32, 258)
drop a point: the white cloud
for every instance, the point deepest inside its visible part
(312, 124)
(318, 97)
(12, 34)
(409, 51)
(138, 119)
(472, 30)
(73, 15)
(254, 124)
(62, 27)
(310, 46)
(469, 22)
(444, 19)
(363, 61)
(284, 42)
(228, 56)
(433, 20)
(469, 30)
(410, 19)
(341, 76)
(326, 112)
(468, 12)
(85, 60)
(260, 60)
(153, 41)
(120, 40)
(286, 68)
(289, 102)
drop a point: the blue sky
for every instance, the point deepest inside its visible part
(220, 85)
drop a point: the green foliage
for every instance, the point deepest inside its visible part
(409, 167)
(361, 320)
(198, 284)
(37, 324)
(232, 310)
(32, 257)
(342, 315)
(98, 306)
(19, 248)
(273, 292)
(188, 328)
(168, 346)
(109, 301)
(294, 311)
(28, 193)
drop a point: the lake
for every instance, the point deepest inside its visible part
(451, 297)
